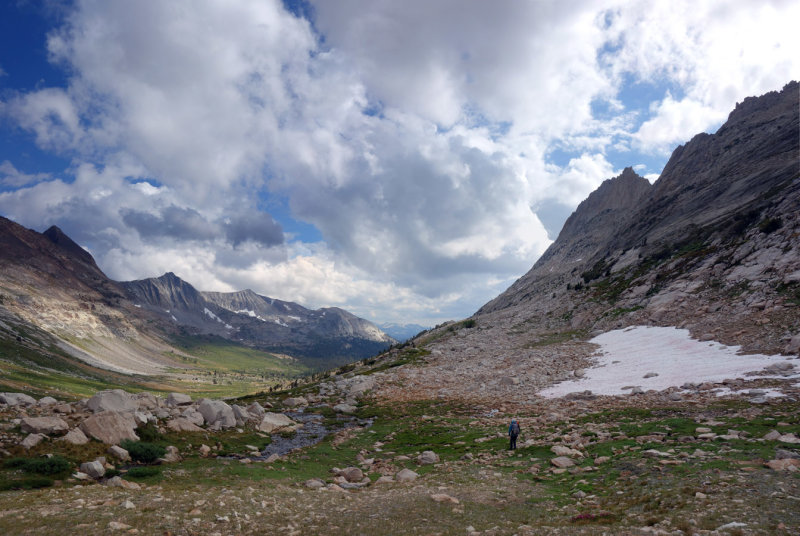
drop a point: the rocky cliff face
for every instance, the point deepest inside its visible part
(712, 246)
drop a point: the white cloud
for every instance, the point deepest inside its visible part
(415, 136)
(10, 176)
(672, 121)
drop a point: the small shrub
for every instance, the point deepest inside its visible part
(143, 452)
(149, 433)
(143, 472)
(27, 483)
(43, 466)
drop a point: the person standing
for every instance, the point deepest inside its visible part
(513, 432)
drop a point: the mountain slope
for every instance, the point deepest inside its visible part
(713, 247)
(52, 287)
(718, 227)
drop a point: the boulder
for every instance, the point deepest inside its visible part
(275, 421)
(427, 458)
(117, 482)
(110, 427)
(204, 450)
(240, 414)
(182, 424)
(17, 399)
(344, 408)
(94, 469)
(43, 425)
(112, 400)
(562, 462)
(794, 345)
(256, 410)
(444, 497)
(193, 416)
(32, 440)
(172, 455)
(314, 483)
(295, 402)
(561, 450)
(119, 453)
(178, 399)
(146, 401)
(75, 437)
(217, 414)
(352, 474)
(405, 475)
(47, 401)
(785, 464)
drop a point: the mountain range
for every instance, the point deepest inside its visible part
(52, 286)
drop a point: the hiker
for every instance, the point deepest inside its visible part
(513, 432)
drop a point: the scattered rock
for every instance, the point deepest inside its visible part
(32, 440)
(428, 457)
(119, 453)
(118, 482)
(116, 525)
(94, 469)
(75, 437)
(405, 475)
(295, 402)
(345, 408)
(785, 464)
(352, 474)
(562, 462)
(204, 450)
(314, 483)
(443, 497)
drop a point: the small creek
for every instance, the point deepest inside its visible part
(312, 432)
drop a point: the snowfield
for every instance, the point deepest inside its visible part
(627, 356)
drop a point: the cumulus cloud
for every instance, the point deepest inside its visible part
(416, 137)
(11, 177)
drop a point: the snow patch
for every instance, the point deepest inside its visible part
(630, 354)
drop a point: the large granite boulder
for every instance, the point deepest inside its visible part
(112, 400)
(272, 422)
(43, 425)
(110, 427)
(146, 401)
(17, 399)
(182, 424)
(178, 399)
(217, 414)
(193, 416)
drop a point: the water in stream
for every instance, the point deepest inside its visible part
(311, 433)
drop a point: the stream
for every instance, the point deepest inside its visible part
(311, 433)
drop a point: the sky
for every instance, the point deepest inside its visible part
(406, 161)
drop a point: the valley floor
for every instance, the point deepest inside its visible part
(636, 471)
(691, 460)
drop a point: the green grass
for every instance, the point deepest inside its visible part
(214, 353)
